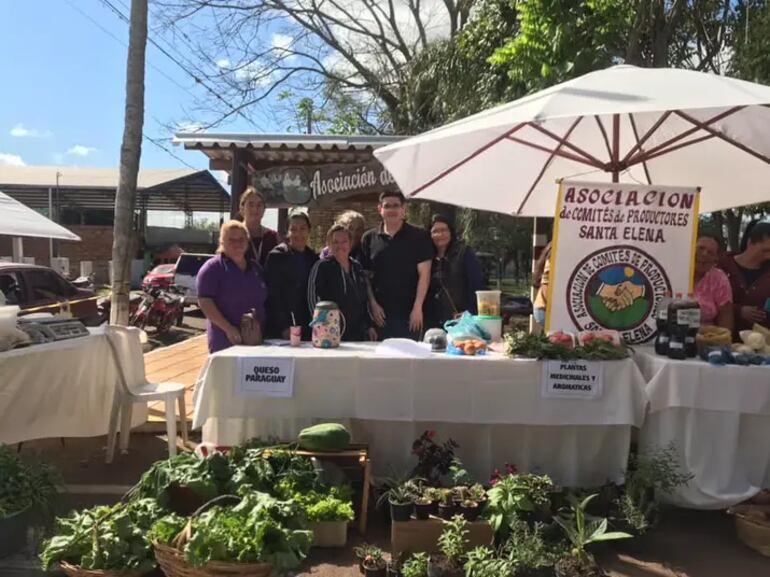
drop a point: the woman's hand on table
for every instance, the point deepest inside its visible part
(372, 334)
(753, 314)
(233, 335)
(378, 313)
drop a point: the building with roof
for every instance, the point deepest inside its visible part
(83, 200)
(325, 173)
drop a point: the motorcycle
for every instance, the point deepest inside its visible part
(85, 282)
(160, 309)
(104, 306)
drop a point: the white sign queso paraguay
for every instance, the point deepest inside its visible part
(267, 377)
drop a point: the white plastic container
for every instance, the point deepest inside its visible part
(493, 325)
(488, 303)
(8, 316)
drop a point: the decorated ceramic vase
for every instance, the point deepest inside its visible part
(328, 325)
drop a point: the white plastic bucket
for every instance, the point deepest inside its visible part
(493, 325)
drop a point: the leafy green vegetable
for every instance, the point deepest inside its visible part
(260, 529)
(537, 346)
(207, 477)
(25, 483)
(320, 507)
(104, 537)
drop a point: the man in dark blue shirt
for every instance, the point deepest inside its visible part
(398, 257)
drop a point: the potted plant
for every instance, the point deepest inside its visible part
(446, 505)
(328, 518)
(484, 562)
(400, 497)
(433, 494)
(583, 530)
(452, 545)
(469, 509)
(28, 492)
(416, 566)
(434, 460)
(372, 560)
(514, 496)
(423, 507)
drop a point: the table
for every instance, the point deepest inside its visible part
(719, 420)
(490, 405)
(60, 389)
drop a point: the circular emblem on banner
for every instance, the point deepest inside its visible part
(617, 288)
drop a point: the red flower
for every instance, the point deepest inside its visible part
(430, 434)
(512, 470)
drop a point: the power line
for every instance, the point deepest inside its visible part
(193, 75)
(167, 151)
(103, 29)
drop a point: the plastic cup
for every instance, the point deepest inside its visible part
(295, 335)
(488, 303)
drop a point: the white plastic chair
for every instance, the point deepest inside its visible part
(133, 388)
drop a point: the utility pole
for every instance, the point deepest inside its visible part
(130, 154)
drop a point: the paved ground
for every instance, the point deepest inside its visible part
(687, 544)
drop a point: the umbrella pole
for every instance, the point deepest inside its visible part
(615, 147)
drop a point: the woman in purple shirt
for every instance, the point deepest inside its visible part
(230, 285)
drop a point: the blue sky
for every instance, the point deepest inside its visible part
(62, 90)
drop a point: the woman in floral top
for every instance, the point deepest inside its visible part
(712, 287)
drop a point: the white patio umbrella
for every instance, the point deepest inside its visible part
(622, 124)
(16, 220)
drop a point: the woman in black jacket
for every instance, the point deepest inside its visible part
(340, 279)
(287, 270)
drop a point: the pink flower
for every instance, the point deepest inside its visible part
(430, 434)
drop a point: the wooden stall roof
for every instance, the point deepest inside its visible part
(277, 149)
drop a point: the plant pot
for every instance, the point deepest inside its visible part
(569, 567)
(329, 533)
(393, 572)
(400, 512)
(446, 511)
(13, 532)
(434, 507)
(470, 513)
(423, 511)
(378, 572)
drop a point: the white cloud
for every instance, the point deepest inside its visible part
(11, 160)
(281, 41)
(20, 131)
(189, 127)
(80, 150)
(224, 63)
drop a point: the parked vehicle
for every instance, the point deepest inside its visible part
(162, 276)
(85, 282)
(160, 309)
(104, 306)
(35, 288)
(187, 266)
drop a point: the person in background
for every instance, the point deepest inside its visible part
(261, 239)
(540, 283)
(341, 279)
(355, 223)
(287, 271)
(455, 275)
(712, 287)
(229, 286)
(749, 275)
(397, 257)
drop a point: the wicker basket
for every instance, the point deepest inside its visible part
(751, 528)
(172, 561)
(78, 571)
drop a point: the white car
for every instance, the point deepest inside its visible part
(187, 266)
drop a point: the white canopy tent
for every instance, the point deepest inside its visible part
(18, 220)
(621, 124)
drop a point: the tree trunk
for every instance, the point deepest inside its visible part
(719, 225)
(130, 153)
(733, 216)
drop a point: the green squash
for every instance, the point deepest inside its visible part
(325, 437)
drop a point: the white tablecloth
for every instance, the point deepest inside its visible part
(490, 405)
(60, 389)
(719, 420)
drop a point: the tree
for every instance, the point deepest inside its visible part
(130, 153)
(363, 46)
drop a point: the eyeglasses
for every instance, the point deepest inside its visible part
(388, 206)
